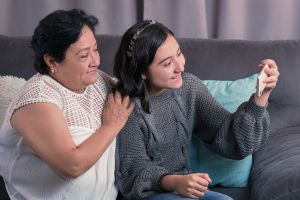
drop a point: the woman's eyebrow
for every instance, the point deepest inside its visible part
(85, 48)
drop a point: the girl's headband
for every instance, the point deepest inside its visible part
(135, 36)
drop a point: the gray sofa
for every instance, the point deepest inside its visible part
(276, 166)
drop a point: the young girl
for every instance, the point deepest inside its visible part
(152, 148)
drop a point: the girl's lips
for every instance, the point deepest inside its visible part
(176, 77)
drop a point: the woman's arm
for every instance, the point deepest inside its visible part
(44, 128)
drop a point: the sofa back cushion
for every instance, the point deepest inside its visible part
(207, 59)
(16, 57)
(234, 59)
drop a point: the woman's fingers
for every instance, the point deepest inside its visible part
(118, 98)
(111, 98)
(131, 107)
(122, 102)
(125, 101)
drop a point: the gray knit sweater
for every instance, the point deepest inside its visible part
(151, 145)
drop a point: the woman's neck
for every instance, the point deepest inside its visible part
(73, 89)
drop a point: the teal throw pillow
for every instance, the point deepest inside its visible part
(223, 171)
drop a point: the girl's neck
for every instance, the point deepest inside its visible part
(157, 92)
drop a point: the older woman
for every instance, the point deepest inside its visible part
(58, 137)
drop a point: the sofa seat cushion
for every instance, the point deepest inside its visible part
(276, 167)
(233, 192)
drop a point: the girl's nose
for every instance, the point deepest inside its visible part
(179, 65)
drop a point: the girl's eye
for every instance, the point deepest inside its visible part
(167, 64)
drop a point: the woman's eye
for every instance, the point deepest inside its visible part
(179, 53)
(84, 56)
(95, 50)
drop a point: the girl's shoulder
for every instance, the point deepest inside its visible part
(191, 81)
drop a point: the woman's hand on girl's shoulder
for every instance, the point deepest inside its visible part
(117, 111)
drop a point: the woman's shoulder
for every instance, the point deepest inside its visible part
(42, 84)
(36, 83)
(105, 80)
(39, 88)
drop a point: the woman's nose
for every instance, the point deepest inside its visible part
(95, 59)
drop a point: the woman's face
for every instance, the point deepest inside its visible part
(79, 68)
(166, 68)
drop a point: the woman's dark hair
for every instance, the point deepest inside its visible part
(136, 52)
(56, 32)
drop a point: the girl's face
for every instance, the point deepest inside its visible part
(166, 68)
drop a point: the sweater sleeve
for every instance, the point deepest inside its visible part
(233, 135)
(137, 174)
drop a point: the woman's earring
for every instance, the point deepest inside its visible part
(144, 77)
(52, 70)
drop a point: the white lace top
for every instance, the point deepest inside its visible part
(28, 177)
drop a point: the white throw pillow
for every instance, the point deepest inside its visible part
(9, 87)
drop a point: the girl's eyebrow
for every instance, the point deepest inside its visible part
(168, 57)
(165, 59)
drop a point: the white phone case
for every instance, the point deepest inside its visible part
(260, 81)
